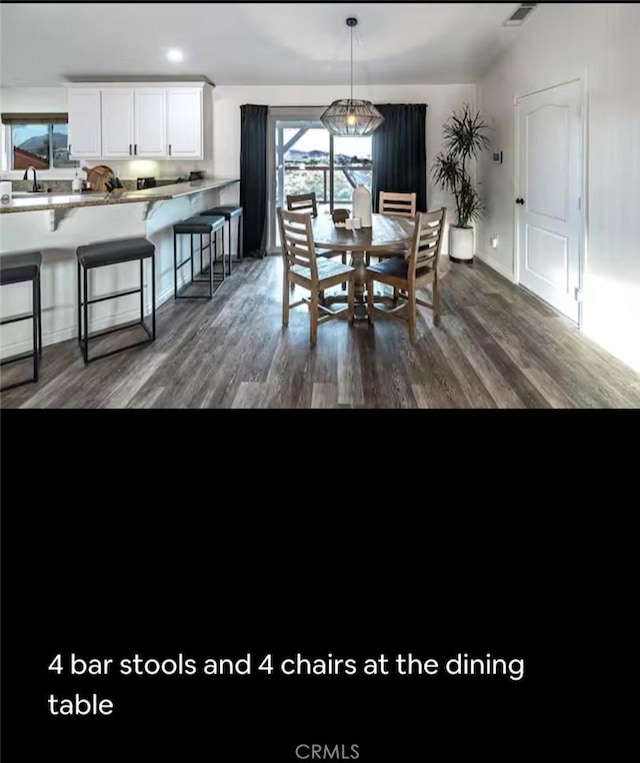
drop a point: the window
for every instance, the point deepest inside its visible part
(38, 140)
(306, 158)
(45, 146)
(309, 159)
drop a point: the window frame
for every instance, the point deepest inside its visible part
(6, 147)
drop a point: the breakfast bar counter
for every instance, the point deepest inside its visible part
(57, 224)
(36, 202)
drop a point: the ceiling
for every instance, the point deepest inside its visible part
(46, 44)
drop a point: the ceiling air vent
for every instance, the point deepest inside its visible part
(522, 12)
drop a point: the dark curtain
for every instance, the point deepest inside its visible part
(253, 178)
(399, 152)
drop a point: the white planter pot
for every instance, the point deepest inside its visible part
(461, 242)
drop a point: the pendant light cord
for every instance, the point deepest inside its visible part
(351, 30)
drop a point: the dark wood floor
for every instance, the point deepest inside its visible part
(497, 347)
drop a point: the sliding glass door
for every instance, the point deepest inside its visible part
(306, 158)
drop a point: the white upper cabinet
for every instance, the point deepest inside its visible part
(118, 136)
(118, 121)
(151, 123)
(85, 132)
(184, 123)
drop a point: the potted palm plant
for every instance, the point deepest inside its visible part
(464, 139)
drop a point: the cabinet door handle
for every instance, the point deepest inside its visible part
(130, 149)
(169, 149)
(135, 149)
(69, 149)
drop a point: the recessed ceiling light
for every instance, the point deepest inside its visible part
(174, 55)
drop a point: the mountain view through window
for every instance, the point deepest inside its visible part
(43, 146)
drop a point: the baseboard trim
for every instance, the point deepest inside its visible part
(497, 266)
(71, 332)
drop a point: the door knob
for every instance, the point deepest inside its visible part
(519, 201)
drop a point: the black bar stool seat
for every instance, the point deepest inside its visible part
(199, 225)
(114, 252)
(24, 268)
(229, 212)
(15, 268)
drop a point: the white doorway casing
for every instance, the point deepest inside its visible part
(549, 196)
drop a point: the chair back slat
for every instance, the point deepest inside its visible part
(301, 202)
(399, 204)
(427, 242)
(296, 241)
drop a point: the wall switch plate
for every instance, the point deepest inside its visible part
(494, 241)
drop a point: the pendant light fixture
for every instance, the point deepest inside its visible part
(350, 116)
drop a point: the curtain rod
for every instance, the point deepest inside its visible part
(419, 103)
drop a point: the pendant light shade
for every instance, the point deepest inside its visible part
(350, 116)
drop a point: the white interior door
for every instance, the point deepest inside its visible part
(549, 195)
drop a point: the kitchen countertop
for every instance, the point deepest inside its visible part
(43, 201)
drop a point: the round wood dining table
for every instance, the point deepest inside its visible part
(386, 234)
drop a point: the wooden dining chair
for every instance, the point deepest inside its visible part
(302, 202)
(407, 275)
(400, 204)
(306, 202)
(304, 268)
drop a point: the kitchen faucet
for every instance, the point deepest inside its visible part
(36, 187)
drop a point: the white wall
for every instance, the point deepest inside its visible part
(26, 99)
(599, 42)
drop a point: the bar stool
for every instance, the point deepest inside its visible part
(201, 226)
(100, 255)
(22, 268)
(229, 212)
